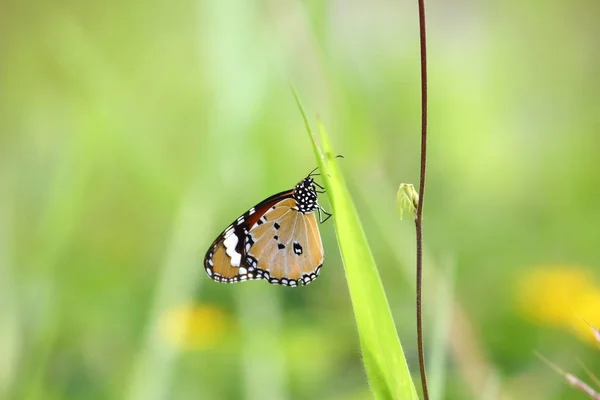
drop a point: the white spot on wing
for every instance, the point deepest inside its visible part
(235, 260)
(230, 244)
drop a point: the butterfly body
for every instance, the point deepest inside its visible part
(277, 240)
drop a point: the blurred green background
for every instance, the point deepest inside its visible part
(131, 133)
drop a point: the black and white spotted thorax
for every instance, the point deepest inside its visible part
(305, 194)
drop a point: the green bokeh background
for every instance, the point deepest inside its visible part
(131, 133)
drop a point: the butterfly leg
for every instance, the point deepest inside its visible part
(320, 187)
(322, 210)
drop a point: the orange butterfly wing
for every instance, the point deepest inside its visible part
(277, 240)
(286, 246)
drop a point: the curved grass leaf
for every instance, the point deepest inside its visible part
(382, 353)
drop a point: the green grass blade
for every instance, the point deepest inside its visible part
(382, 353)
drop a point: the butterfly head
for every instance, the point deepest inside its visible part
(305, 194)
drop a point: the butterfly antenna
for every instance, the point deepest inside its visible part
(312, 173)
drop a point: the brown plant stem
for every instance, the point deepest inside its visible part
(419, 214)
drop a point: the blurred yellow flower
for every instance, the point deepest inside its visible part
(563, 296)
(194, 327)
(588, 312)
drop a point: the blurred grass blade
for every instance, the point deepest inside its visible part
(573, 380)
(595, 331)
(442, 331)
(382, 353)
(10, 338)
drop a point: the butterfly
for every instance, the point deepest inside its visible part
(277, 240)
